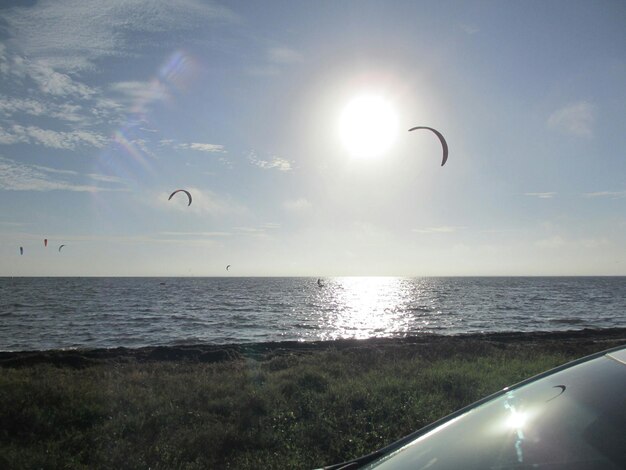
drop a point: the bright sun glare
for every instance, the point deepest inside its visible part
(368, 126)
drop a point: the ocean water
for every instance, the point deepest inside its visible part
(49, 313)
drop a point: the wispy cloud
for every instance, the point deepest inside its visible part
(55, 170)
(297, 205)
(138, 96)
(262, 231)
(7, 137)
(9, 106)
(51, 42)
(547, 195)
(47, 80)
(210, 148)
(440, 229)
(607, 194)
(250, 229)
(68, 140)
(71, 34)
(576, 119)
(105, 178)
(52, 95)
(274, 162)
(278, 57)
(198, 146)
(69, 112)
(16, 176)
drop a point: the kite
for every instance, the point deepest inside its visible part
(184, 191)
(444, 144)
(61, 247)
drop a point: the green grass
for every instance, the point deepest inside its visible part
(288, 411)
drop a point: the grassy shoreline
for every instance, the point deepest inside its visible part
(272, 405)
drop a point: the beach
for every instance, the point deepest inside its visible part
(273, 405)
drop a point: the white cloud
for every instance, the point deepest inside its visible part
(16, 176)
(51, 41)
(142, 145)
(277, 58)
(47, 80)
(211, 148)
(200, 147)
(54, 170)
(441, 229)
(10, 106)
(576, 119)
(297, 205)
(250, 230)
(52, 95)
(259, 232)
(71, 35)
(277, 163)
(8, 138)
(610, 194)
(105, 178)
(3, 59)
(53, 139)
(58, 84)
(137, 96)
(547, 195)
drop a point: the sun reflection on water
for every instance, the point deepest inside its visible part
(361, 307)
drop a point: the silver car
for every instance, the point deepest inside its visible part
(571, 417)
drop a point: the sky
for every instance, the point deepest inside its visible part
(108, 107)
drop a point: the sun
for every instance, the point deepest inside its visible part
(368, 126)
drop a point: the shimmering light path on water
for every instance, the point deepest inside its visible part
(46, 313)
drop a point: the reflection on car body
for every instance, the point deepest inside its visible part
(573, 417)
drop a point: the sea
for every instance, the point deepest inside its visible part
(65, 313)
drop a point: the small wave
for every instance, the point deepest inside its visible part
(419, 309)
(306, 326)
(507, 307)
(18, 305)
(567, 321)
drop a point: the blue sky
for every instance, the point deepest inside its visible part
(107, 107)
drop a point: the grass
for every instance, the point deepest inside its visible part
(276, 411)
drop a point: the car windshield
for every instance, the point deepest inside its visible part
(286, 234)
